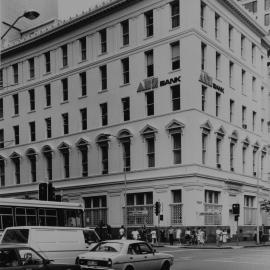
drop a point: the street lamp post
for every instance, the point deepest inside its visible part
(31, 15)
(125, 186)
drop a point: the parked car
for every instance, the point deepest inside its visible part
(16, 256)
(61, 244)
(124, 255)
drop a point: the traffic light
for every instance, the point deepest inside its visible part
(42, 191)
(236, 208)
(157, 208)
(236, 217)
(51, 192)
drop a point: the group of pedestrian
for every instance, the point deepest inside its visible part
(145, 234)
(221, 236)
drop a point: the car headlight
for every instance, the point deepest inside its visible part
(109, 262)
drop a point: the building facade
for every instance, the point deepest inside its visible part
(140, 98)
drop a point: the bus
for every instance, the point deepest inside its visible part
(22, 212)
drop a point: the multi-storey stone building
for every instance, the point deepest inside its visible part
(184, 98)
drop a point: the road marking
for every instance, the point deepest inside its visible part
(227, 261)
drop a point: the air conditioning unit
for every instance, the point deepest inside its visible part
(244, 126)
(219, 165)
(254, 173)
(232, 169)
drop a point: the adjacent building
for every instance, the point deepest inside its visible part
(140, 98)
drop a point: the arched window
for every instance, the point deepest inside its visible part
(124, 137)
(32, 156)
(16, 159)
(82, 145)
(48, 154)
(65, 151)
(103, 144)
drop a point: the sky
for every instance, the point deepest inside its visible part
(69, 8)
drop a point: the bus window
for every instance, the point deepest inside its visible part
(6, 217)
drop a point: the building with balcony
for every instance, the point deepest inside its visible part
(139, 97)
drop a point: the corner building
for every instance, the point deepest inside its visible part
(181, 87)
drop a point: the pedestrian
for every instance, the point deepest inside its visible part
(178, 235)
(224, 236)
(171, 232)
(218, 236)
(154, 236)
(122, 232)
(188, 236)
(135, 234)
(109, 231)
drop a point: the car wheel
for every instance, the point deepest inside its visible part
(129, 268)
(166, 266)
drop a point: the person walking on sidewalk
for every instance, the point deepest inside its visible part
(154, 236)
(171, 232)
(178, 235)
(218, 236)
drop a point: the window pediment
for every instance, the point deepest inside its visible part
(175, 127)
(221, 132)
(124, 135)
(82, 143)
(234, 136)
(148, 131)
(63, 147)
(206, 127)
(246, 142)
(15, 155)
(256, 146)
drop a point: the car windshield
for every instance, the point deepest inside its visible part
(108, 247)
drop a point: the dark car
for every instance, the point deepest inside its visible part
(15, 256)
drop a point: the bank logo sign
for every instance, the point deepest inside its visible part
(152, 83)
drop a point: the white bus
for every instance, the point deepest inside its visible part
(20, 212)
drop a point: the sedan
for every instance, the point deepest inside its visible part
(17, 257)
(124, 255)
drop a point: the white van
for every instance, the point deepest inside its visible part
(60, 244)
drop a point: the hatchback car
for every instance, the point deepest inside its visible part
(17, 257)
(124, 255)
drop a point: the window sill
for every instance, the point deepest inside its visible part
(82, 61)
(64, 102)
(82, 97)
(47, 107)
(103, 91)
(47, 73)
(218, 80)
(124, 84)
(203, 29)
(64, 67)
(146, 38)
(102, 54)
(174, 70)
(33, 111)
(174, 28)
(1, 119)
(31, 79)
(15, 115)
(124, 46)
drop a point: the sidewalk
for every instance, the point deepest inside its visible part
(230, 245)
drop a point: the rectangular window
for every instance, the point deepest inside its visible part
(230, 36)
(16, 135)
(244, 152)
(262, 125)
(176, 98)
(204, 147)
(83, 118)
(104, 114)
(203, 9)
(231, 74)
(31, 64)
(267, 19)
(83, 48)
(203, 55)
(218, 98)
(266, 4)
(231, 110)
(150, 151)
(175, 49)
(32, 100)
(149, 23)
(48, 95)
(254, 88)
(253, 53)
(47, 56)
(65, 89)
(243, 41)
(217, 26)
(177, 146)
(2, 172)
(254, 115)
(103, 40)
(204, 89)
(103, 75)
(244, 121)
(15, 73)
(104, 158)
(32, 126)
(2, 139)
(65, 123)
(125, 32)
(126, 108)
(1, 109)
(149, 56)
(150, 103)
(125, 69)
(212, 197)
(254, 154)
(64, 50)
(48, 122)
(175, 14)
(1, 78)
(83, 84)
(218, 151)
(243, 81)
(16, 103)
(218, 65)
